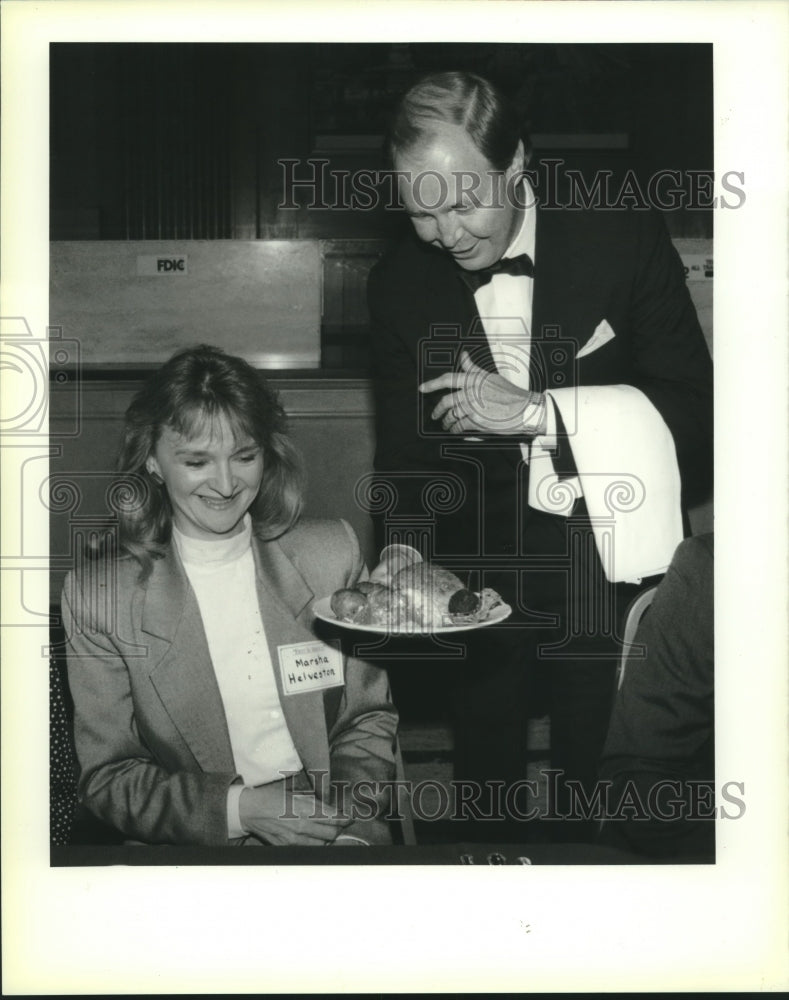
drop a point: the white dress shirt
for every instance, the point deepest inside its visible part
(505, 308)
(505, 305)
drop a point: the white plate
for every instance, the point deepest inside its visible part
(322, 609)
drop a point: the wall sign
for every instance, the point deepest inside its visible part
(151, 266)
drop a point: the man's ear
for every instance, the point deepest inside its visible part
(519, 161)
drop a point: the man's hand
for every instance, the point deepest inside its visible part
(282, 817)
(483, 401)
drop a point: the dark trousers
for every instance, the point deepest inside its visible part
(557, 653)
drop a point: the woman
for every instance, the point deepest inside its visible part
(207, 711)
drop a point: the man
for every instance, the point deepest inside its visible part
(532, 425)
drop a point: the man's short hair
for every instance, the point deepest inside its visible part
(458, 98)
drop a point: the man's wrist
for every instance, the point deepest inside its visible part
(535, 414)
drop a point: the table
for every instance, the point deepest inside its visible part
(434, 854)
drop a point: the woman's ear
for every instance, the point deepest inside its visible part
(153, 470)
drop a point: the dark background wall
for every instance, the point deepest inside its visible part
(182, 141)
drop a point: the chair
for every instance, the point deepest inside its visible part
(631, 651)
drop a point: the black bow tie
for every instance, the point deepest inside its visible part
(520, 265)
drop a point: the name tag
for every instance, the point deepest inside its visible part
(310, 666)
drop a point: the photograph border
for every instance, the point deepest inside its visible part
(241, 929)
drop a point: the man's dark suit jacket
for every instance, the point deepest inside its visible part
(590, 266)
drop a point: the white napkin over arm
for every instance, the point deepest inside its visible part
(627, 472)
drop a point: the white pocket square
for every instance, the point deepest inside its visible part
(601, 336)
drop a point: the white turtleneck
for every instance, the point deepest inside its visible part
(222, 574)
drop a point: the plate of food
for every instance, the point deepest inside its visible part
(406, 595)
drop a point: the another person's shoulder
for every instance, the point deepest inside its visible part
(685, 595)
(701, 547)
(695, 555)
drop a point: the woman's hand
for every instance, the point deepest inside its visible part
(282, 817)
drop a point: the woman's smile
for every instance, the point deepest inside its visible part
(219, 503)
